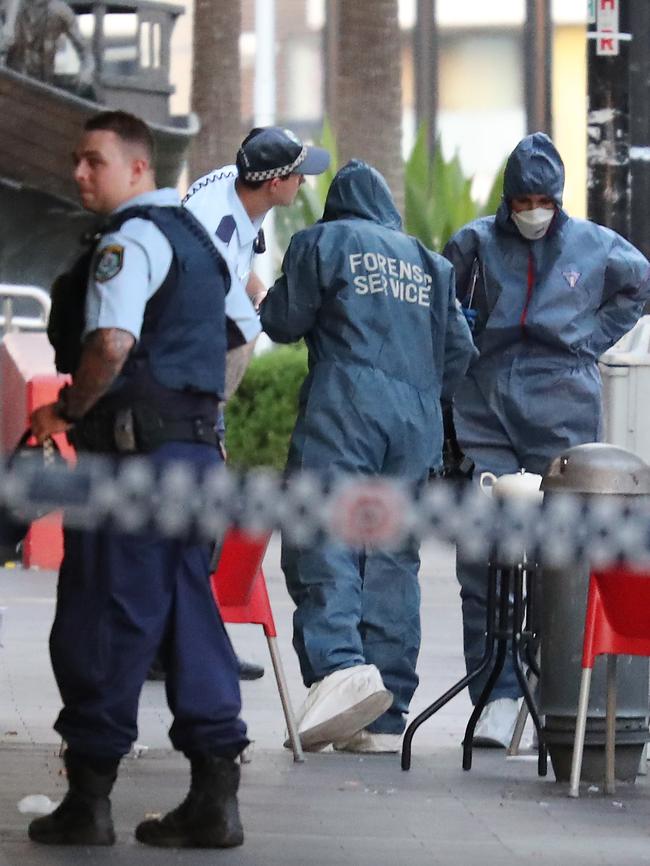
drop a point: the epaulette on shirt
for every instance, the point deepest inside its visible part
(226, 228)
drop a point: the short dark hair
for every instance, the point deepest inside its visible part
(251, 184)
(127, 126)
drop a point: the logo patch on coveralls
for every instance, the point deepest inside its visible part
(109, 263)
(572, 278)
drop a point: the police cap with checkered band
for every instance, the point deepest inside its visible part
(271, 151)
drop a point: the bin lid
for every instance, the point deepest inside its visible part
(598, 468)
(633, 349)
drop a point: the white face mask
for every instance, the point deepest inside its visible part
(533, 224)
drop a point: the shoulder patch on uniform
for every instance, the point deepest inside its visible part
(109, 262)
(226, 228)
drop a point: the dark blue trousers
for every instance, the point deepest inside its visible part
(122, 597)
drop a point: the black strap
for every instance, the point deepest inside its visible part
(96, 432)
(190, 430)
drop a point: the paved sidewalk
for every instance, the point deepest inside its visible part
(335, 808)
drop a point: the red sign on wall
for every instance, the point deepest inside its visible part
(606, 23)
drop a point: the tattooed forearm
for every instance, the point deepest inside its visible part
(103, 356)
(237, 361)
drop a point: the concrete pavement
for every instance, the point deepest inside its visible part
(335, 808)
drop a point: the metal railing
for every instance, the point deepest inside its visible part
(9, 293)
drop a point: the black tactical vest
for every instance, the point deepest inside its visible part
(191, 300)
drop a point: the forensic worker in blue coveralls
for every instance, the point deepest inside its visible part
(140, 323)
(386, 339)
(547, 294)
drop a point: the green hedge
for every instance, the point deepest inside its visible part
(261, 415)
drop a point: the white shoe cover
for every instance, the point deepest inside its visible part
(496, 724)
(366, 743)
(341, 704)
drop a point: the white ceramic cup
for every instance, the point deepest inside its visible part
(487, 482)
(518, 485)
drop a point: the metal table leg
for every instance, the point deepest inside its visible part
(465, 681)
(542, 762)
(500, 630)
(501, 638)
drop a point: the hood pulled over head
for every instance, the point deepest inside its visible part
(360, 191)
(534, 168)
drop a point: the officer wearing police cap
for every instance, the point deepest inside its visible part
(231, 202)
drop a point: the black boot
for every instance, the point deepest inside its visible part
(84, 816)
(208, 817)
(249, 671)
(157, 672)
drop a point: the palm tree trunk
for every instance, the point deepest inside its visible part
(216, 84)
(368, 119)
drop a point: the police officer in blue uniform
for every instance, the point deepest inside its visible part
(231, 202)
(386, 340)
(147, 376)
(547, 294)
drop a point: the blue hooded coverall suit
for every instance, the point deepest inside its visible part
(545, 312)
(385, 337)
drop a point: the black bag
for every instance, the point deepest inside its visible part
(67, 313)
(33, 458)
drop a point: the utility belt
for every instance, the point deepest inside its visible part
(139, 428)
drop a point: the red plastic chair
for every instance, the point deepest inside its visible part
(617, 623)
(239, 588)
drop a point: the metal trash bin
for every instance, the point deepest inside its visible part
(625, 371)
(589, 470)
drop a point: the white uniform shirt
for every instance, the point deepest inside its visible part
(128, 267)
(214, 202)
